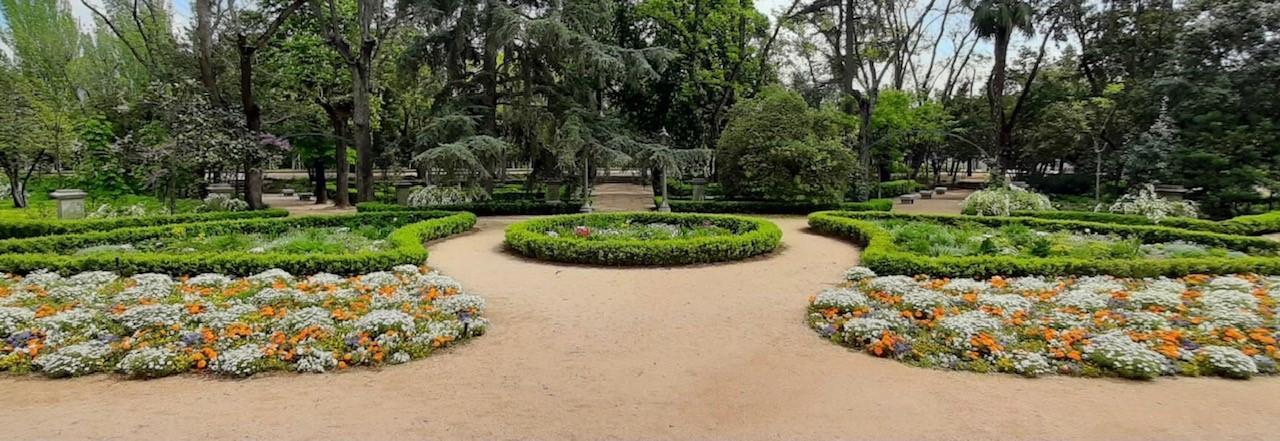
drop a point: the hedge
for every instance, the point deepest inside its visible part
(1250, 225)
(25, 255)
(882, 256)
(773, 207)
(893, 189)
(10, 229)
(752, 237)
(491, 208)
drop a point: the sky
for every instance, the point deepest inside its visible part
(181, 12)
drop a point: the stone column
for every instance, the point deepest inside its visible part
(70, 203)
(403, 188)
(699, 189)
(553, 192)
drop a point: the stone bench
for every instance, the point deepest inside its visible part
(926, 194)
(940, 190)
(907, 198)
(287, 192)
(305, 196)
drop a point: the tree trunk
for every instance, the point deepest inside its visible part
(362, 128)
(995, 99)
(253, 121)
(321, 182)
(17, 187)
(338, 114)
(204, 46)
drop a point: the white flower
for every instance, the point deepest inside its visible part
(1230, 283)
(304, 318)
(1030, 364)
(895, 284)
(1031, 284)
(459, 303)
(241, 362)
(322, 279)
(154, 315)
(858, 273)
(379, 279)
(149, 362)
(316, 361)
(382, 320)
(863, 330)
(1008, 302)
(1116, 351)
(74, 360)
(1084, 299)
(1156, 296)
(1144, 321)
(920, 299)
(11, 319)
(271, 276)
(963, 286)
(843, 299)
(970, 323)
(209, 281)
(1229, 362)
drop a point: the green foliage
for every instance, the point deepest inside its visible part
(776, 148)
(776, 207)
(24, 255)
(1249, 225)
(11, 229)
(1001, 201)
(884, 256)
(487, 208)
(892, 189)
(751, 236)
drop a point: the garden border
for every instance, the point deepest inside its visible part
(881, 256)
(529, 238)
(25, 255)
(776, 207)
(1248, 225)
(17, 229)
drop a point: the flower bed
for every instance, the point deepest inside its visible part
(643, 238)
(153, 325)
(410, 230)
(1249, 225)
(883, 255)
(1033, 326)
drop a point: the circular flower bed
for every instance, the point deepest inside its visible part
(153, 325)
(1087, 326)
(643, 238)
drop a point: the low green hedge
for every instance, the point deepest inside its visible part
(893, 189)
(25, 255)
(881, 255)
(772, 207)
(10, 229)
(752, 237)
(1250, 225)
(491, 208)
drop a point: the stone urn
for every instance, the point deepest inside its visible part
(70, 203)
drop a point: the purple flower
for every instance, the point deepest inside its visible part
(191, 338)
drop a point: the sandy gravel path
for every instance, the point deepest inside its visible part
(714, 352)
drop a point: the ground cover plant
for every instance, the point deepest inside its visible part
(971, 246)
(974, 239)
(154, 325)
(1081, 326)
(224, 246)
(643, 238)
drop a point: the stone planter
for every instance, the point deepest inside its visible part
(403, 189)
(70, 203)
(699, 189)
(552, 195)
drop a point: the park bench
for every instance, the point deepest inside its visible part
(287, 192)
(940, 190)
(908, 198)
(305, 196)
(926, 194)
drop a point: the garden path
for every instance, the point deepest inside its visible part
(575, 352)
(948, 203)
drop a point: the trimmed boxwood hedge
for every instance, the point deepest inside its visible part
(753, 236)
(10, 229)
(25, 255)
(490, 208)
(773, 207)
(1250, 225)
(881, 255)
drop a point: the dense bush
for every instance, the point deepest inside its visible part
(775, 207)
(1003, 200)
(891, 189)
(884, 257)
(10, 229)
(776, 148)
(1147, 203)
(751, 236)
(489, 208)
(30, 254)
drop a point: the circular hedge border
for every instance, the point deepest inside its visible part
(752, 236)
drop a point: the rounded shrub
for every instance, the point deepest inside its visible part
(1003, 201)
(663, 238)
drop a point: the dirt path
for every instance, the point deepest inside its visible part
(948, 203)
(713, 352)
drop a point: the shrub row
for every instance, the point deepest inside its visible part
(752, 236)
(881, 255)
(25, 255)
(491, 208)
(1251, 225)
(772, 207)
(893, 189)
(10, 229)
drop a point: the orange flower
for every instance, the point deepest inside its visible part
(45, 311)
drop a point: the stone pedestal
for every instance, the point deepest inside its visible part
(699, 189)
(70, 203)
(1171, 192)
(403, 188)
(553, 192)
(221, 188)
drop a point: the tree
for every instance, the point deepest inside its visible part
(20, 150)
